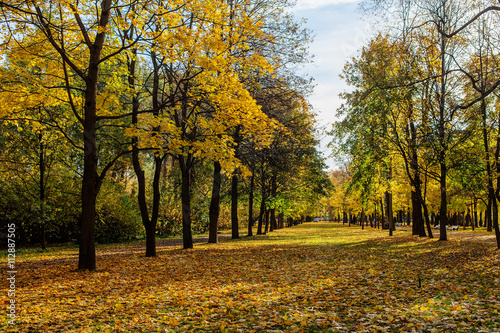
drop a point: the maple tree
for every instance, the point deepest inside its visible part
(74, 34)
(158, 81)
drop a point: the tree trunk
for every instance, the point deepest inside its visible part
(234, 188)
(467, 220)
(415, 225)
(42, 193)
(250, 205)
(418, 202)
(442, 144)
(495, 222)
(388, 200)
(262, 205)
(281, 220)
(234, 207)
(382, 212)
(261, 217)
(86, 255)
(274, 191)
(149, 223)
(362, 219)
(427, 221)
(272, 220)
(442, 210)
(187, 236)
(266, 230)
(91, 181)
(476, 221)
(215, 205)
(487, 215)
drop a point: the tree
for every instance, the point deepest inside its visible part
(445, 33)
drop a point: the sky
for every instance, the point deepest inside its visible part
(339, 32)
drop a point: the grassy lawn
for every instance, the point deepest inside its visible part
(316, 277)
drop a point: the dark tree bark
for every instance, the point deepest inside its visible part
(427, 221)
(91, 182)
(185, 163)
(489, 171)
(497, 191)
(234, 207)
(148, 222)
(441, 127)
(419, 201)
(266, 229)
(442, 210)
(281, 220)
(42, 192)
(261, 217)
(262, 207)
(234, 188)
(388, 200)
(487, 216)
(250, 205)
(382, 212)
(215, 205)
(274, 189)
(476, 221)
(362, 219)
(415, 225)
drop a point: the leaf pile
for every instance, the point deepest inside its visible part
(309, 278)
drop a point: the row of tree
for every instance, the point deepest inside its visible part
(423, 115)
(168, 101)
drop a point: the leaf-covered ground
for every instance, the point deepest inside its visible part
(310, 278)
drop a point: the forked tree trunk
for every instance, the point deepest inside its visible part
(91, 181)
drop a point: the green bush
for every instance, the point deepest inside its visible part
(117, 216)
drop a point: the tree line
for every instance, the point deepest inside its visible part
(420, 127)
(125, 118)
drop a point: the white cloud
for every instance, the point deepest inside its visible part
(339, 34)
(313, 4)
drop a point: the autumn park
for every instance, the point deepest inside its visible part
(161, 169)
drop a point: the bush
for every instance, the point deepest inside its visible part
(117, 218)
